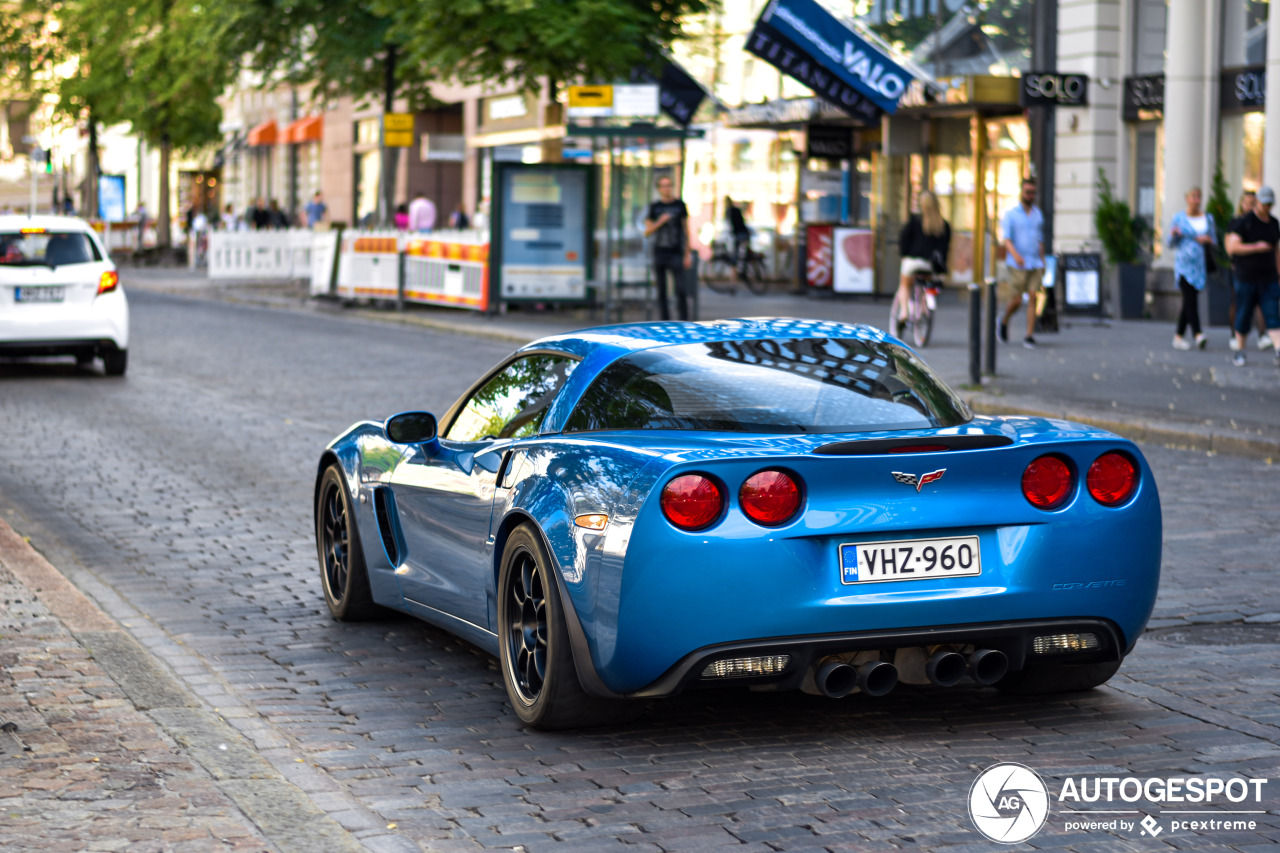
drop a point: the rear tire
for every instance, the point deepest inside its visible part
(754, 275)
(1040, 679)
(115, 361)
(342, 568)
(534, 652)
(717, 274)
(922, 328)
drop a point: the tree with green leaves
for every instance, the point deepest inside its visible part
(157, 64)
(389, 49)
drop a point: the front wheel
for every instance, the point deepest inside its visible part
(343, 573)
(754, 275)
(1039, 679)
(534, 651)
(922, 320)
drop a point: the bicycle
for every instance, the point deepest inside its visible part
(718, 271)
(923, 303)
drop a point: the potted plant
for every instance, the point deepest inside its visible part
(1222, 210)
(1121, 235)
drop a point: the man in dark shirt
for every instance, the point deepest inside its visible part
(668, 224)
(1253, 242)
(741, 235)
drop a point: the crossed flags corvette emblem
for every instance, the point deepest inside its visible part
(921, 481)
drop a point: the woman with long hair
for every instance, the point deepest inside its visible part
(923, 244)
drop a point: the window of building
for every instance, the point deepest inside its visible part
(951, 37)
(1149, 36)
(1244, 32)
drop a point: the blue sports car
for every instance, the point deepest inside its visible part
(631, 511)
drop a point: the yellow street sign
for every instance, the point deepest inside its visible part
(397, 121)
(590, 96)
(398, 138)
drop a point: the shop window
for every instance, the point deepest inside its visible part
(367, 132)
(1244, 32)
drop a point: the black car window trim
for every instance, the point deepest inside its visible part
(452, 413)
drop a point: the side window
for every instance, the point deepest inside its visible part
(513, 403)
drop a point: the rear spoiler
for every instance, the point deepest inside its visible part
(915, 444)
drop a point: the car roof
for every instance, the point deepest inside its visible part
(18, 221)
(631, 337)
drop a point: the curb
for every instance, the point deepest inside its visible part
(281, 811)
(1172, 434)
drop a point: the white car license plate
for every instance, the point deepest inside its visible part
(39, 294)
(910, 560)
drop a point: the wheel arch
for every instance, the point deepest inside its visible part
(583, 663)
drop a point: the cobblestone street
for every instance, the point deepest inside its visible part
(179, 501)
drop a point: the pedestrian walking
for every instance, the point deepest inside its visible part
(459, 219)
(229, 218)
(924, 244)
(668, 224)
(741, 235)
(1253, 242)
(1248, 201)
(278, 218)
(1193, 237)
(422, 213)
(261, 215)
(401, 217)
(1023, 229)
(316, 210)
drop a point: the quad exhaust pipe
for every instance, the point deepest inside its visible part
(836, 679)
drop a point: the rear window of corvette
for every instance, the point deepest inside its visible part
(46, 248)
(805, 385)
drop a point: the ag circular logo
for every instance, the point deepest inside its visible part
(1008, 803)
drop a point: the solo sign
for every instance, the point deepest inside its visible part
(1054, 90)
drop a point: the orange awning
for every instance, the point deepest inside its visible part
(308, 129)
(264, 134)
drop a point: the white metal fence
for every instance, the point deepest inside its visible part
(261, 254)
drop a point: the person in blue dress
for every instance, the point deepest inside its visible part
(1192, 235)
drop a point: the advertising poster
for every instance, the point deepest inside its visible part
(855, 261)
(542, 231)
(111, 207)
(819, 261)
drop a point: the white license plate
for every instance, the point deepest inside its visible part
(39, 294)
(910, 560)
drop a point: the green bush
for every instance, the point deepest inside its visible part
(1118, 229)
(1222, 210)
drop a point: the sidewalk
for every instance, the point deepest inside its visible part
(1122, 375)
(101, 749)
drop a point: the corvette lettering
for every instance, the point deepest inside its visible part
(921, 481)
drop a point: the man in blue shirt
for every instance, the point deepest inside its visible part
(1023, 229)
(315, 210)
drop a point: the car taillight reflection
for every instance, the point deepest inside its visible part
(109, 281)
(1047, 482)
(692, 501)
(769, 497)
(1112, 479)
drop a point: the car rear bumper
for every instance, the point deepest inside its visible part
(56, 329)
(1014, 639)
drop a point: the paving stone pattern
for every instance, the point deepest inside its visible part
(179, 498)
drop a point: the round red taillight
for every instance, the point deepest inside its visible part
(1047, 482)
(692, 501)
(1112, 478)
(769, 497)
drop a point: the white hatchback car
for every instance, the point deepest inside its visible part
(59, 293)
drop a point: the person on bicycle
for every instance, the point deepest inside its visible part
(741, 236)
(924, 244)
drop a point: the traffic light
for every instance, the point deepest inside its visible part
(48, 162)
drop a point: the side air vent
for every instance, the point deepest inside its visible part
(384, 506)
(916, 444)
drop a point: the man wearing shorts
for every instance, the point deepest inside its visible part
(1023, 229)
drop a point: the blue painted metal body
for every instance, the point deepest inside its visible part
(642, 594)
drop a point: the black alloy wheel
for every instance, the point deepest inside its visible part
(342, 568)
(536, 658)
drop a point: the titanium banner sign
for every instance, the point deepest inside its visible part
(804, 40)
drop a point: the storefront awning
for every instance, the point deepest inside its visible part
(805, 41)
(309, 129)
(266, 133)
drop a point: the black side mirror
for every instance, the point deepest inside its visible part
(411, 427)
